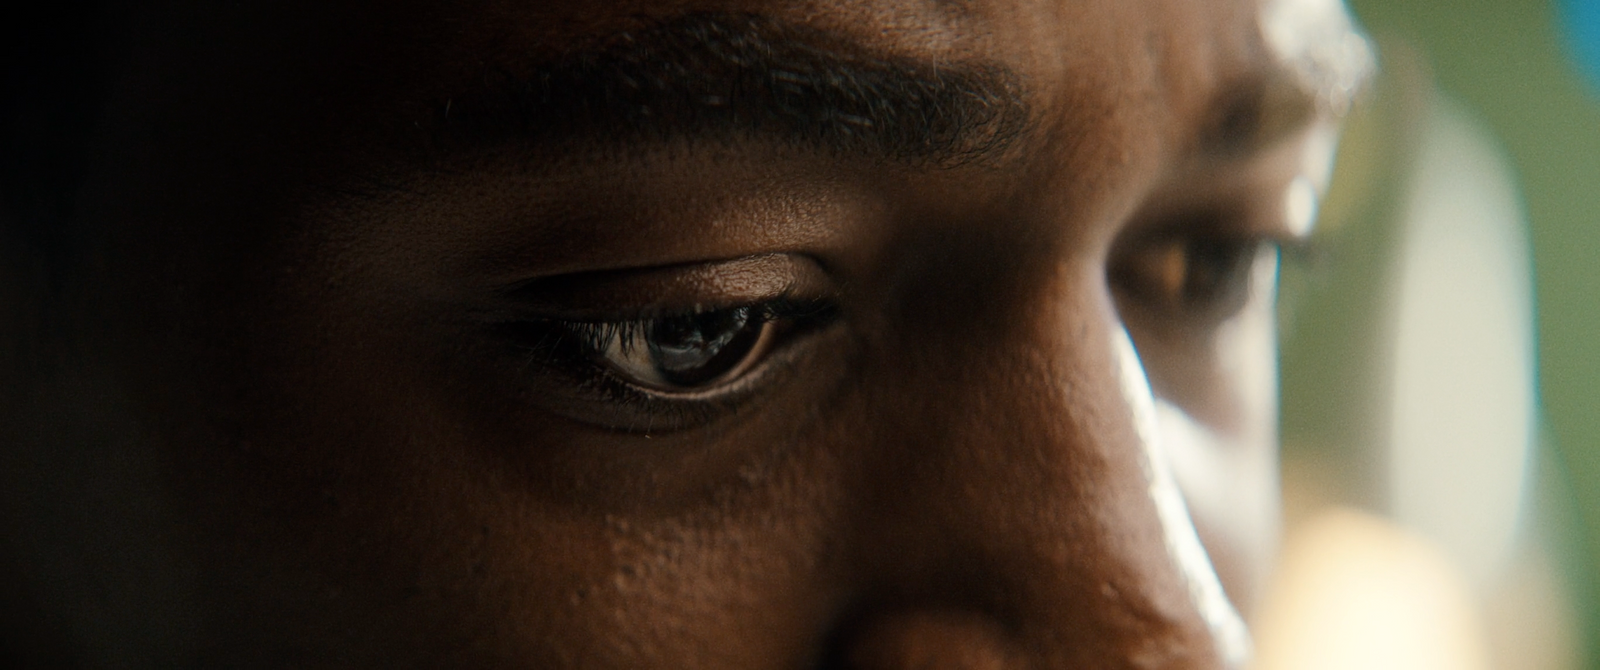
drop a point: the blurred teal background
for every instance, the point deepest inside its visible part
(1581, 21)
(1521, 66)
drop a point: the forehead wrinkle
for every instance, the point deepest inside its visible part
(719, 76)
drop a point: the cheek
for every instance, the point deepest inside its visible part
(1223, 452)
(1155, 427)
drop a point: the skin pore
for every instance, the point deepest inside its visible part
(657, 334)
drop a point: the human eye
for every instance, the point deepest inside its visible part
(1195, 288)
(1194, 277)
(695, 352)
(662, 349)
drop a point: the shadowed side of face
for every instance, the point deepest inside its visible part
(658, 334)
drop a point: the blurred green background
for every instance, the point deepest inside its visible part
(1508, 61)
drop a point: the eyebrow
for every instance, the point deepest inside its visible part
(712, 76)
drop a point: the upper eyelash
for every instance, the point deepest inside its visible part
(597, 335)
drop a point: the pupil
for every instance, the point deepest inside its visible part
(1218, 273)
(694, 349)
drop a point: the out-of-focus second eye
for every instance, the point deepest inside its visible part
(1189, 276)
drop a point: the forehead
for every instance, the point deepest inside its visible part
(1165, 66)
(1046, 30)
(256, 98)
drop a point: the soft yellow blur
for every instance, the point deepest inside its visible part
(1355, 592)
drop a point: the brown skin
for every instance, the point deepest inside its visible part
(284, 428)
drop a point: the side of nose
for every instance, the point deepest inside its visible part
(1019, 518)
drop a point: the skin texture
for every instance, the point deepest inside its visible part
(273, 415)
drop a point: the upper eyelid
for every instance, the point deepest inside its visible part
(1132, 244)
(654, 292)
(1215, 204)
(785, 305)
(1226, 219)
(649, 313)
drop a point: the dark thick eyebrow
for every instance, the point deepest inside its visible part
(729, 76)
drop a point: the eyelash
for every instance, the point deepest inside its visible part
(594, 336)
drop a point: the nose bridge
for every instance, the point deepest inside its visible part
(1025, 491)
